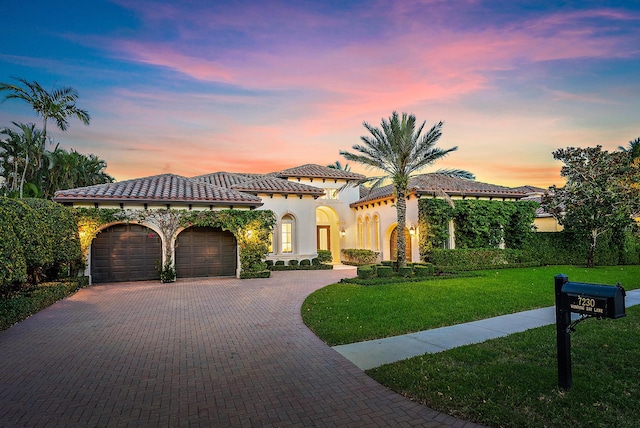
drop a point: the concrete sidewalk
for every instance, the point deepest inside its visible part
(374, 353)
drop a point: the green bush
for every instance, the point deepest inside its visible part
(426, 269)
(279, 263)
(269, 263)
(22, 306)
(387, 263)
(366, 271)
(33, 235)
(358, 257)
(13, 267)
(405, 272)
(62, 232)
(256, 274)
(305, 262)
(324, 256)
(384, 271)
(315, 261)
(481, 258)
(293, 263)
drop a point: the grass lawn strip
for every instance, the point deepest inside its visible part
(347, 313)
(512, 381)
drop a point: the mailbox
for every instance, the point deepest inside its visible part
(602, 301)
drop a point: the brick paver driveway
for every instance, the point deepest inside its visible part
(205, 352)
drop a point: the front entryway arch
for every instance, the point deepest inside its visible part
(393, 243)
(328, 231)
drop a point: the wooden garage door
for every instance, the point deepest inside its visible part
(125, 252)
(205, 251)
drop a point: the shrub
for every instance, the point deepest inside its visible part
(474, 259)
(255, 274)
(358, 257)
(315, 261)
(33, 235)
(305, 262)
(269, 263)
(167, 272)
(366, 271)
(387, 263)
(426, 269)
(22, 306)
(324, 256)
(384, 271)
(406, 271)
(13, 268)
(279, 263)
(293, 263)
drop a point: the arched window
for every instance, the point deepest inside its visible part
(367, 233)
(360, 232)
(376, 233)
(288, 231)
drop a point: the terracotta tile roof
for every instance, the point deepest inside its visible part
(258, 183)
(317, 171)
(269, 184)
(222, 179)
(434, 183)
(540, 212)
(165, 188)
(530, 189)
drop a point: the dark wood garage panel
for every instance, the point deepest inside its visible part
(125, 252)
(206, 251)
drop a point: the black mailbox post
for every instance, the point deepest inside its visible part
(588, 300)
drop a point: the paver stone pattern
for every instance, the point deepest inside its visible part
(198, 353)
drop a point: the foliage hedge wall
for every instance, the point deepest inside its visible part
(38, 240)
(478, 224)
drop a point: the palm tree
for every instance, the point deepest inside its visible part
(59, 104)
(633, 148)
(22, 150)
(338, 165)
(399, 151)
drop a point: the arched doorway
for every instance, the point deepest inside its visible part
(393, 243)
(328, 231)
(125, 252)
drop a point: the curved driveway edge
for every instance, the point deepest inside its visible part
(197, 353)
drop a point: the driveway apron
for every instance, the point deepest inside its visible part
(203, 352)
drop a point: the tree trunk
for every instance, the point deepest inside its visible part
(592, 249)
(401, 209)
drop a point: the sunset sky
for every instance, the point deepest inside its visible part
(192, 87)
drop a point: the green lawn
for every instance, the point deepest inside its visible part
(512, 381)
(346, 313)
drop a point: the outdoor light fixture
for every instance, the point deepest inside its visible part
(342, 232)
(412, 230)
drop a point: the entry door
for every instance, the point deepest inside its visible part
(324, 237)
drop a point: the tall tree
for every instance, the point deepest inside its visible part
(21, 155)
(600, 194)
(338, 165)
(399, 150)
(59, 104)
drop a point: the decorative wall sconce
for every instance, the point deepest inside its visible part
(412, 230)
(342, 232)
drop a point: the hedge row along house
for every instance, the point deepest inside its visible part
(314, 209)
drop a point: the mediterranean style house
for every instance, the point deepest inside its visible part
(316, 207)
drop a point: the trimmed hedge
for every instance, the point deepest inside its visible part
(257, 274)
(38, 239)
(358, 257)
(384, 271)
(482, 258)
(324, 256)
(27, 303)
(422, 270)
(366, 271)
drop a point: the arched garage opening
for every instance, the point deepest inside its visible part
(125, 252)
(206, 251)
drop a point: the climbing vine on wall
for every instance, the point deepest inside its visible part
(478, 223)
(252, 229)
